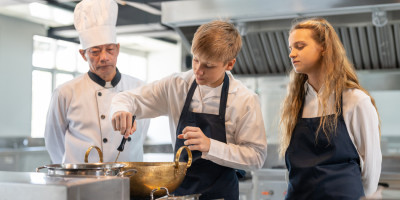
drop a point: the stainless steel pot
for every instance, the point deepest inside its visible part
(87, 169)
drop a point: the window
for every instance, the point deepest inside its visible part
(56, 62)
(134, 65)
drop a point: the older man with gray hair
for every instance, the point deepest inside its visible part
(78, 115)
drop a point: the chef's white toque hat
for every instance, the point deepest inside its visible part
(95, 21)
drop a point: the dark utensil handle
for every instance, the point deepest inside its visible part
(121, 146)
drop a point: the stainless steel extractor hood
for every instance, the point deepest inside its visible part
(369, 29)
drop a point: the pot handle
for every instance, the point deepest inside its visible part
(122, 174)
(178, 154)
(98, 151)
(159, 188)
(39, 168)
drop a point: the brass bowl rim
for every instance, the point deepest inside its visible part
(149, 164)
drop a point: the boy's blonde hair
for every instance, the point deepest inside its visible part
(217, 40)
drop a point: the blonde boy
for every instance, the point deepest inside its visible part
(212, 113)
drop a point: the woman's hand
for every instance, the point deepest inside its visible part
(122, 122)
(195, 139)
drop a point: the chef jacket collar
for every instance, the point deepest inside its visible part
(102, 82)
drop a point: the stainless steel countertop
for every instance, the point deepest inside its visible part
(31, 185)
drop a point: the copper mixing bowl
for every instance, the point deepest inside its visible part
(151, 175)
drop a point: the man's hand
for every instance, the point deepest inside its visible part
(195, 139)
(122, 122)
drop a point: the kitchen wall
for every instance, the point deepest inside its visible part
(16, 75)
(162, 64)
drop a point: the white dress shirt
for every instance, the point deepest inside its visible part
(245, 133)
(362, 122)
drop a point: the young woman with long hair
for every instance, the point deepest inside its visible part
(330, 125)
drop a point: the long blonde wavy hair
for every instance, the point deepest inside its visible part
(339, 75)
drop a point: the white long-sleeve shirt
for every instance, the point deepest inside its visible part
(362, 122)
(245, 133)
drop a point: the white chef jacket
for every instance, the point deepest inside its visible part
(78, 117)
(361, 120)
(246, 146)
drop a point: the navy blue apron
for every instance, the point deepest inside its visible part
(204, 177)
(320, 168)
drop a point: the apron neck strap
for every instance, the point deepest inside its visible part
(224, 97)
(223, 100)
